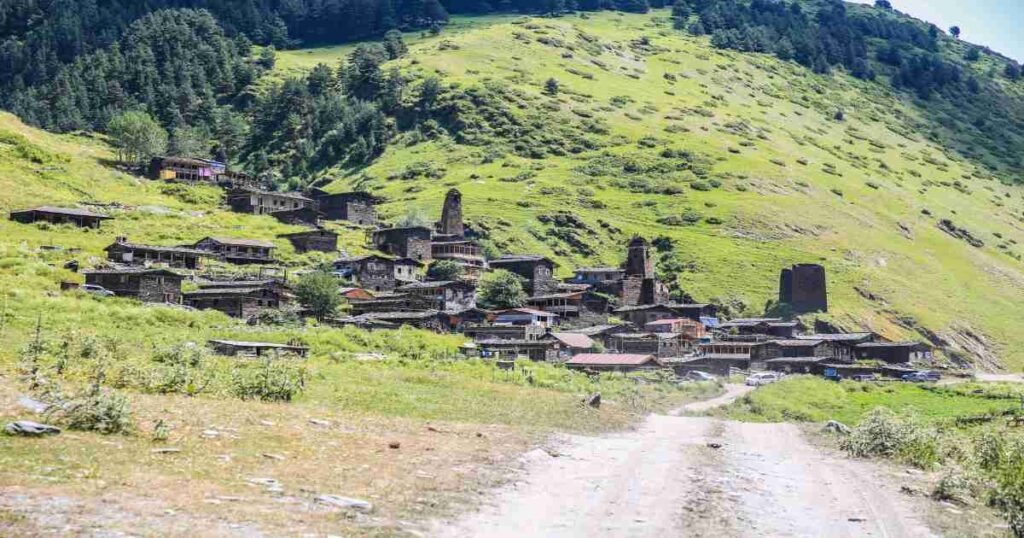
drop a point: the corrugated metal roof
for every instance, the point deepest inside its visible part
(611, 359)
(576, 340)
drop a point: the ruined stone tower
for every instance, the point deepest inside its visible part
(803, 287)
(451, 215)
(638, 260)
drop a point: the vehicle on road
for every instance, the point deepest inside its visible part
(762, 378)
(864, 377)
(697, 375)
(923, 376)
(98, 291)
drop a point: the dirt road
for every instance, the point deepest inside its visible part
(691, 476)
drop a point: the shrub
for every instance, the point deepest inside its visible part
(884, 434)
(182, 369)
(272, 380)
(102, 411)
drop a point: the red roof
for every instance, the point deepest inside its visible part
(576, 340)
(611, 359)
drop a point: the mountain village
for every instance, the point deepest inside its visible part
(601, 319)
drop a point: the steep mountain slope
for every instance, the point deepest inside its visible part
(744, 163)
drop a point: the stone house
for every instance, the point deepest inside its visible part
(319, 240)
(525, 316)
(641, 315)
(690, 329)
(468, 254)
(892, 352)
(803, 287)
(843, 344)
(121, 251)
(238, 251)
(574, 343)
(772, 327)
(411, 242)
(446, 296)
(458, 320)
(604, 279)
(430, 320)
(543, 349)
(379, 273)
(257, 202)
(236, 299)
(355, 207)
(59, 215)
(537, 272)
(146, 285)
(504, 332)
(572, 304)
(799, 348)
(661, 345)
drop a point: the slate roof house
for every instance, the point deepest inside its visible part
(239, 251)
(641, 315)
(543, 349)
(146, 285)
(504, 332)
(661, 345)
(257, 202)
(355, 207)
(121, 251)
(452, 295)
(571, 304)
(59, 215)
(574, 343)
(525, 316)
(537, 272)
(318, 240)
(410, 242)
(430, 320)
(892, 352)
(379, 273)
(238, 299)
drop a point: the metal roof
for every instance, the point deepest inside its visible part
(576, 340)
(62, 211)
(238, 242)
(612, 359)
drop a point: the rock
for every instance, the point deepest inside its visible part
(267, 423)
(210, 434)
(318, 422)
(27, 428)
(394, 445)
(907, 490)
(856, 519)
(165, 450)
(270, 483)
(594, 400)
(344, 502)
(270, 456)
(32, 405)
(715, 446)
(837, 427)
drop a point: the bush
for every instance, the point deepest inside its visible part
(884, 434)
(102, 411)
(272, 381)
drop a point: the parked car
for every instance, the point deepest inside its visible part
(864, 377)
(762, 378)
(699, 376)
(99, 291)
(922, 376)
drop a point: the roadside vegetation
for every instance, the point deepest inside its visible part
(969, 435)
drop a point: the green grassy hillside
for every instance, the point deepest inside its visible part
(740, 159)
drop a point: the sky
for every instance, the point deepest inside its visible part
(993, 23)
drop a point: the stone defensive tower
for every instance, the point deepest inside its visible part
(638, 259)
(451, 215)
(803, 287)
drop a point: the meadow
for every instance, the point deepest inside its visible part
(742, 164)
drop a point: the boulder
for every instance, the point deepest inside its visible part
(27, 428)
(594, 400)
(837, 427)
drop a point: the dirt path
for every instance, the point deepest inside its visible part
(692, 476)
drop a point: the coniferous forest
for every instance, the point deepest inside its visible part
(193, 65)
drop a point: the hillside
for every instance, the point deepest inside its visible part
(741, 160)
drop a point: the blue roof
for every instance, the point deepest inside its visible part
(709, 322)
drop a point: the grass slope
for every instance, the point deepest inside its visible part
(770, 176)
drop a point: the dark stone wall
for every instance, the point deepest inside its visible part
(351, 206)
(804, 286)
(451, 215)
(638, 260)
(320, 241)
